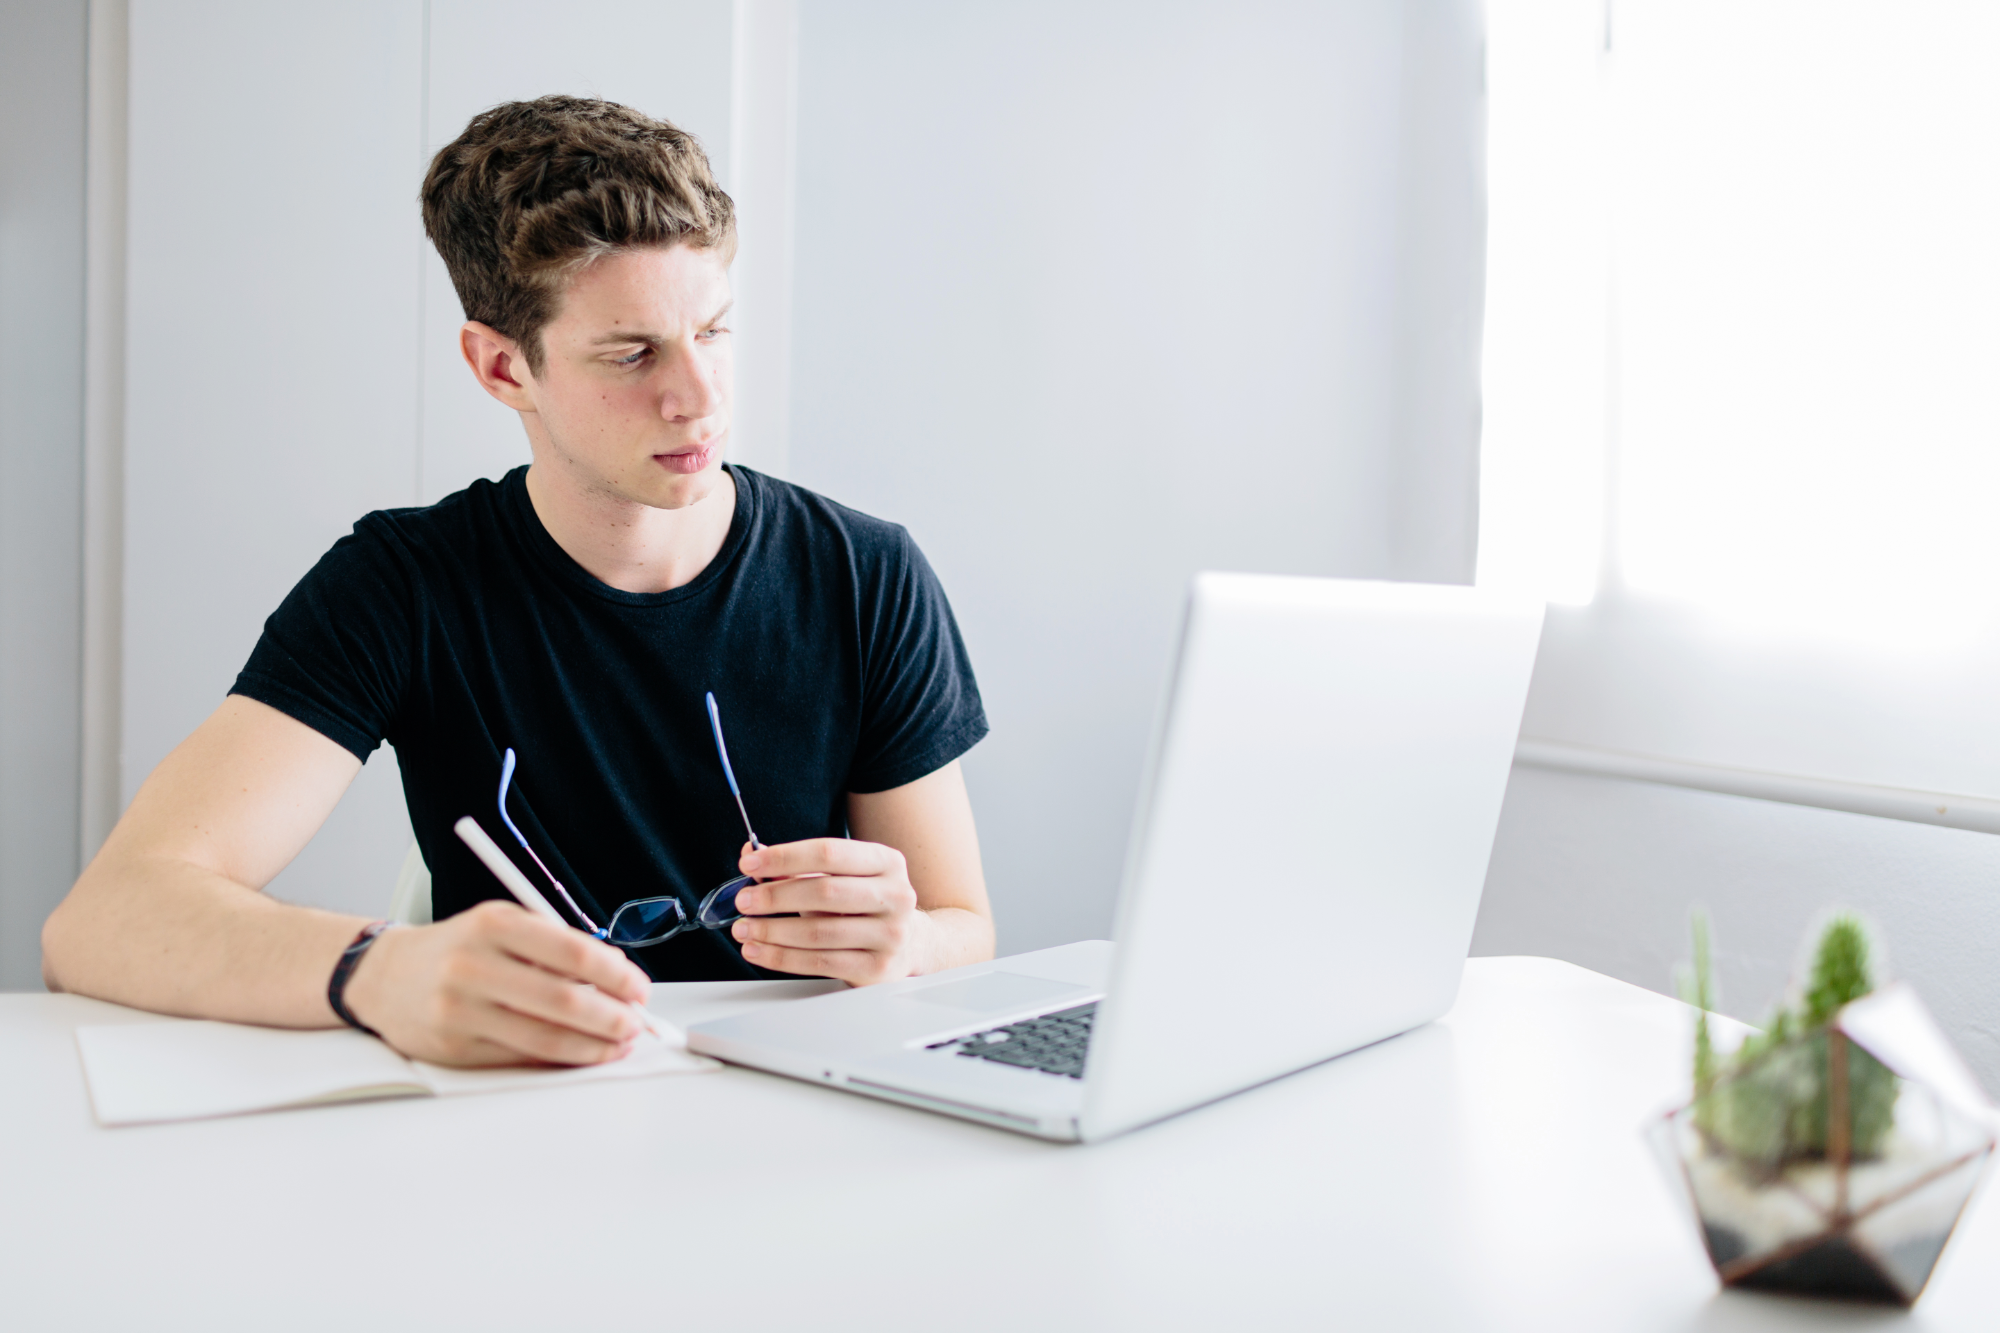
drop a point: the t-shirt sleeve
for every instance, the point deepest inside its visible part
(336, 653)
(920, 702)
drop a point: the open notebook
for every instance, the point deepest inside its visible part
(186, 1069)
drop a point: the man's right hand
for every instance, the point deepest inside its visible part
(169, 916)
(498, 985)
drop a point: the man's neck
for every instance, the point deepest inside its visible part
(630, 546)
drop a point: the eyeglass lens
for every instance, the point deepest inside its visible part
(647, 921)
(718, 909)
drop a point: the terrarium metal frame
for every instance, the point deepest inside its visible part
(1837, 1258)
(1814, 1163)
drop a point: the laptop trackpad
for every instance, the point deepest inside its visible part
(992, 992)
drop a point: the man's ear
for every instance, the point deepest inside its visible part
(497, 363)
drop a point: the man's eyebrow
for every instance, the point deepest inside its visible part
(618, 336)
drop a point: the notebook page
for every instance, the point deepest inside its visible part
(185, 1069)
(650, 1057)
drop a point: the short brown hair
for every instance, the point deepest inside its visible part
(533, 191)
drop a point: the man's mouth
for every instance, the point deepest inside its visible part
(692, 459)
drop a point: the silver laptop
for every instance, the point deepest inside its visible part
(1305, 866)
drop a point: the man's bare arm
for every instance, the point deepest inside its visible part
(165, 917)
(169, 916)
(905, 895)
(930, 822)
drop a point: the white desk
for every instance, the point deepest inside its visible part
(1483, 1173)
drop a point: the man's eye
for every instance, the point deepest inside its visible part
(633, 359)
(710, 335)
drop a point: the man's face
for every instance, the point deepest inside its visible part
(633, 398)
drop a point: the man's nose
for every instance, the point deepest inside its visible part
(692, 391)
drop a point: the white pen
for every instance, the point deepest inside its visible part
(530, 897)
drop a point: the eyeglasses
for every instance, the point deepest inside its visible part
(645, 921)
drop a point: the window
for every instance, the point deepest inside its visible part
(1743, 332)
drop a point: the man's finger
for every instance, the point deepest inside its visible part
(545, 1041)
(819, 932)
(827, 893)
(465, 1051)
(821, 856)
(539, 994)
(571, 953)
(851, 965)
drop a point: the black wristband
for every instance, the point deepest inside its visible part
(350, 958)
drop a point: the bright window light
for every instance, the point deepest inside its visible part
(1542, 454)
(1806, 226)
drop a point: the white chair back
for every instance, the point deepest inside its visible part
(410, 904)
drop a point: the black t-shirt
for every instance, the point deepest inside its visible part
(460, 630)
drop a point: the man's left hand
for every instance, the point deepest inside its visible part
(857, 919)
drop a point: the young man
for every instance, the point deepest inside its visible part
(575, 612)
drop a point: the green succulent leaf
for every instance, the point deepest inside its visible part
(1767, 1103)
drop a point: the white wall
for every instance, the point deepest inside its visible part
(1129, 296)
(1076, 370)
(1091, 297)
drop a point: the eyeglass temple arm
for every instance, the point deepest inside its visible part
(506, 778)
(722, 751)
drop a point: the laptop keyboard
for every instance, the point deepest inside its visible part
(1054, 1043)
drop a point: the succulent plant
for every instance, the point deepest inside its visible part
(1768, 1103)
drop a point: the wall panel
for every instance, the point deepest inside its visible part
(271, 353)
(42, 62)
(1603, 873)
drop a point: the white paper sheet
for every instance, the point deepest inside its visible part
(186, 1069)
(648, 1058)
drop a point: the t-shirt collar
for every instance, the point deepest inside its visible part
(550, 555)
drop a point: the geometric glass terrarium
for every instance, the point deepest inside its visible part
(1832, 1154)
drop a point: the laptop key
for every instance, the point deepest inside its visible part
(1055, 1043)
